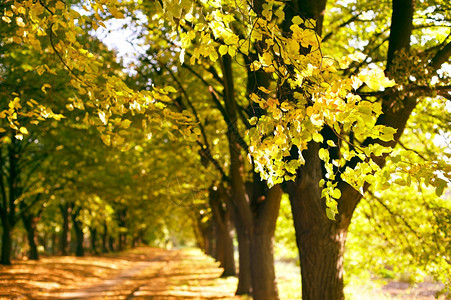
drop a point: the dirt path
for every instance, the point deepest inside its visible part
(109, 286)
(144, 273)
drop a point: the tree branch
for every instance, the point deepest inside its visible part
(409, 88)
(330, 34)
(400, 28)
(441, 57)
(204, 148)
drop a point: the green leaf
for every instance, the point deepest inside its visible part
(170, 89)
(440, 187)
(330, 214)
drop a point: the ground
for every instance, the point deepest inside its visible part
(140, 273)
(152, 273)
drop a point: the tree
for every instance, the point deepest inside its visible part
(319, 126)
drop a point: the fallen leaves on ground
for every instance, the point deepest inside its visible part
(142, 273)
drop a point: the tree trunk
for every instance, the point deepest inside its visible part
(251, 211)
(30, 227)
(223, 229)
(121, 241)
(210, 238)
(111, 244)
(262, 267)
(320, 241)
(54, 242)
(105, 238)
(93, 232)
(65, 212)
(9, 194)
(6, 244)
(219, 244)
(228, 262)
(244, 259)
(197, 233)
(79, 237)
(265, 206)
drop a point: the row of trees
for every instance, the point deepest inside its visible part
(232, 105)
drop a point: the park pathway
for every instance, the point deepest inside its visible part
(144, 273)
(166, 274)
(174, 274)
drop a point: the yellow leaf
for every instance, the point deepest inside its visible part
(17, 40)
(40, 70)
(213, 56)
(23, 130)
(264, 90)
(232, 51)
(387, 134)
(126, 123)
(46, 85)
(170, 89)
(255, 66)
(59, 5)
(103, 117)
(106, 139)
(115, 13)
(297, 20)
(336, 193)
(375, 79)
(223, 49)
(331, 143)
(280, 14)
(20, 22)
(70, 36)
(6, 19)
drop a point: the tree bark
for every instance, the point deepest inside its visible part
(209, 238)
(6, 244)
(64, 243)
(219, 244)
(54, 242)
(320, 241)
(400, 28)
(79, 236)
(105, 238)
(10, 190)
(266, 204)
(224, 238)
(30, 227)
(111, 244)
(122, 237)
(244, 259)
(252, 212)
(93, 232)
